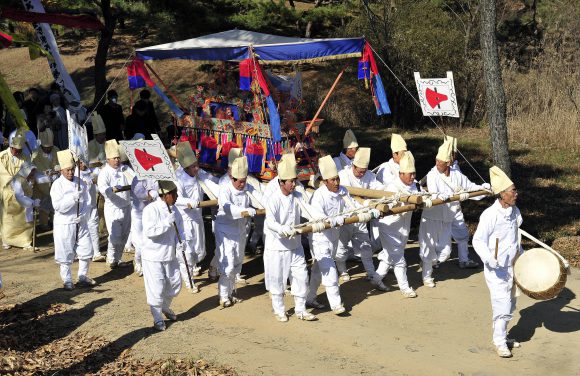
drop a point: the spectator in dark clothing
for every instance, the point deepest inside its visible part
(145, 96)
(33, 106)
(112, 114)
(140, 122)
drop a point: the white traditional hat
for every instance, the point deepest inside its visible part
(65, 159)
(327, 167)
(397, 143)
(349, 140)
(98, 123)
(112, 149)
(185, 154)
(499, 180)
(362, 157)
(18, 141)
(25, 169)
(240, 168)
(233, 154)
(452, 140)
(287, 167)
(407, 163)
(166, 186)
(444, 152)
(46, 138)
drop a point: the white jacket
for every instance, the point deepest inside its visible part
(159, 238)
(388, 171)
(399, 223)
(368, 181)
(65, 207)
(140, 193)
(328, 204)
(231, 205)
(110, 178)
(342, 161)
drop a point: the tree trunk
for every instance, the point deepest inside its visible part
(495, 95)
(102, 52)
(308, 32)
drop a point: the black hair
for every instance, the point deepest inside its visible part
(145, 94)
(140, 106)
(112, 93)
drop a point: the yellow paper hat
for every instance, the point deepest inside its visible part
(407, 163)
(112, 149)
(287, 167)
(98, 123)
(240, 168)
(453, 142)
(185, 154)
(499, 180)
(362, 157)
(444, 152)
(327, 167)
(397, 143)
(46, 138)
(349, 140)
(65, 159)
(233, 154)
(166, 186)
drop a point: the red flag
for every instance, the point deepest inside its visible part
(137, 73)
(81, 21)
(5, 40)
(146, 160)
(251, 67)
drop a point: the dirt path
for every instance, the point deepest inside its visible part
(446, 330)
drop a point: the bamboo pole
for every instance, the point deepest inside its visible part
(374, 193)
(122, 189)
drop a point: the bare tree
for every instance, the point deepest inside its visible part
(495, 95)
(103, 48)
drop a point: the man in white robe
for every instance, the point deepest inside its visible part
(71, 234)
(143, 192)
(283, 253)
(158, 254)
(496, 241)
(389, 170)
(350, 146)
(435, 227)
(90, 178)
(117, 204)
(230, 229)
(394, 229)
(358, 176)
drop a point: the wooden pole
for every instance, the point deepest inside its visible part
(78, 202)
(374, 193)
(183, 248)
(325, 100)
(496, 247)
(122, 189)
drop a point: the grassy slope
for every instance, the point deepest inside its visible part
(548, 178)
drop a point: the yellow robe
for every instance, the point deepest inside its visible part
(15, 230)
(42, 190)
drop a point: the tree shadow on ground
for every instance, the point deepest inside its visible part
(550, 315)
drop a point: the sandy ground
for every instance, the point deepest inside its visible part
(445, 331)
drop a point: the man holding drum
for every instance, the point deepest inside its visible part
(497, 244)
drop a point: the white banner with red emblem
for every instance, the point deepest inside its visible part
(437, 95)
(149, 159)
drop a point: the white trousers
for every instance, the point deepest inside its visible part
(280, 265)
(503, 301)
(360, 242)
(137, 235)
(324, 271)
(66, 270)
(118, 223)
(460, 234)
(434, 244)
(93, 225)
(162, 281)
(195, 239)
(183, 268)
(230, 256)
(67, 245)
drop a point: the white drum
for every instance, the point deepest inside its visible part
(539, 273)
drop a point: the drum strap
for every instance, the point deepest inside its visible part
(545, 246)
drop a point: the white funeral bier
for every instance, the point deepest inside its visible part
(540, 273)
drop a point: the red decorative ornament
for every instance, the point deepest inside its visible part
(146, 160)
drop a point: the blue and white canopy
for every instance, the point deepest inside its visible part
(234, 45)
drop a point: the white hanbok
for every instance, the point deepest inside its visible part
(388, 172)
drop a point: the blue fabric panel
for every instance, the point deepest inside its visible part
(136, 82)
(176, 110)
(312, 50)
(364, 69)
(274, 119)
(210, 54)
(245, 83)
(383, 108)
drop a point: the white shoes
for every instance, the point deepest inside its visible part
(99, 258)
(345, 276)
(306, 316)
(193, 290)
(503, 352)
(281, 317)
(429, 282)
(513, 344)
(339, 310)
(68, 286)
(240, 280)
(159, 325)
(85, 281)
(196, 271)
(225, 303)
(410, 293)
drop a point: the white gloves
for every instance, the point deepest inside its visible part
(251, 212)
(492, 263)
(486, 186)
(36, 203)
(286, 231)
(77, 195)
(193, 203)
(463, 196)
(76, 220)
(153, 194)
(170, 218)
(336, 221)
(427, 202)
(376, 213)
(443, 196)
